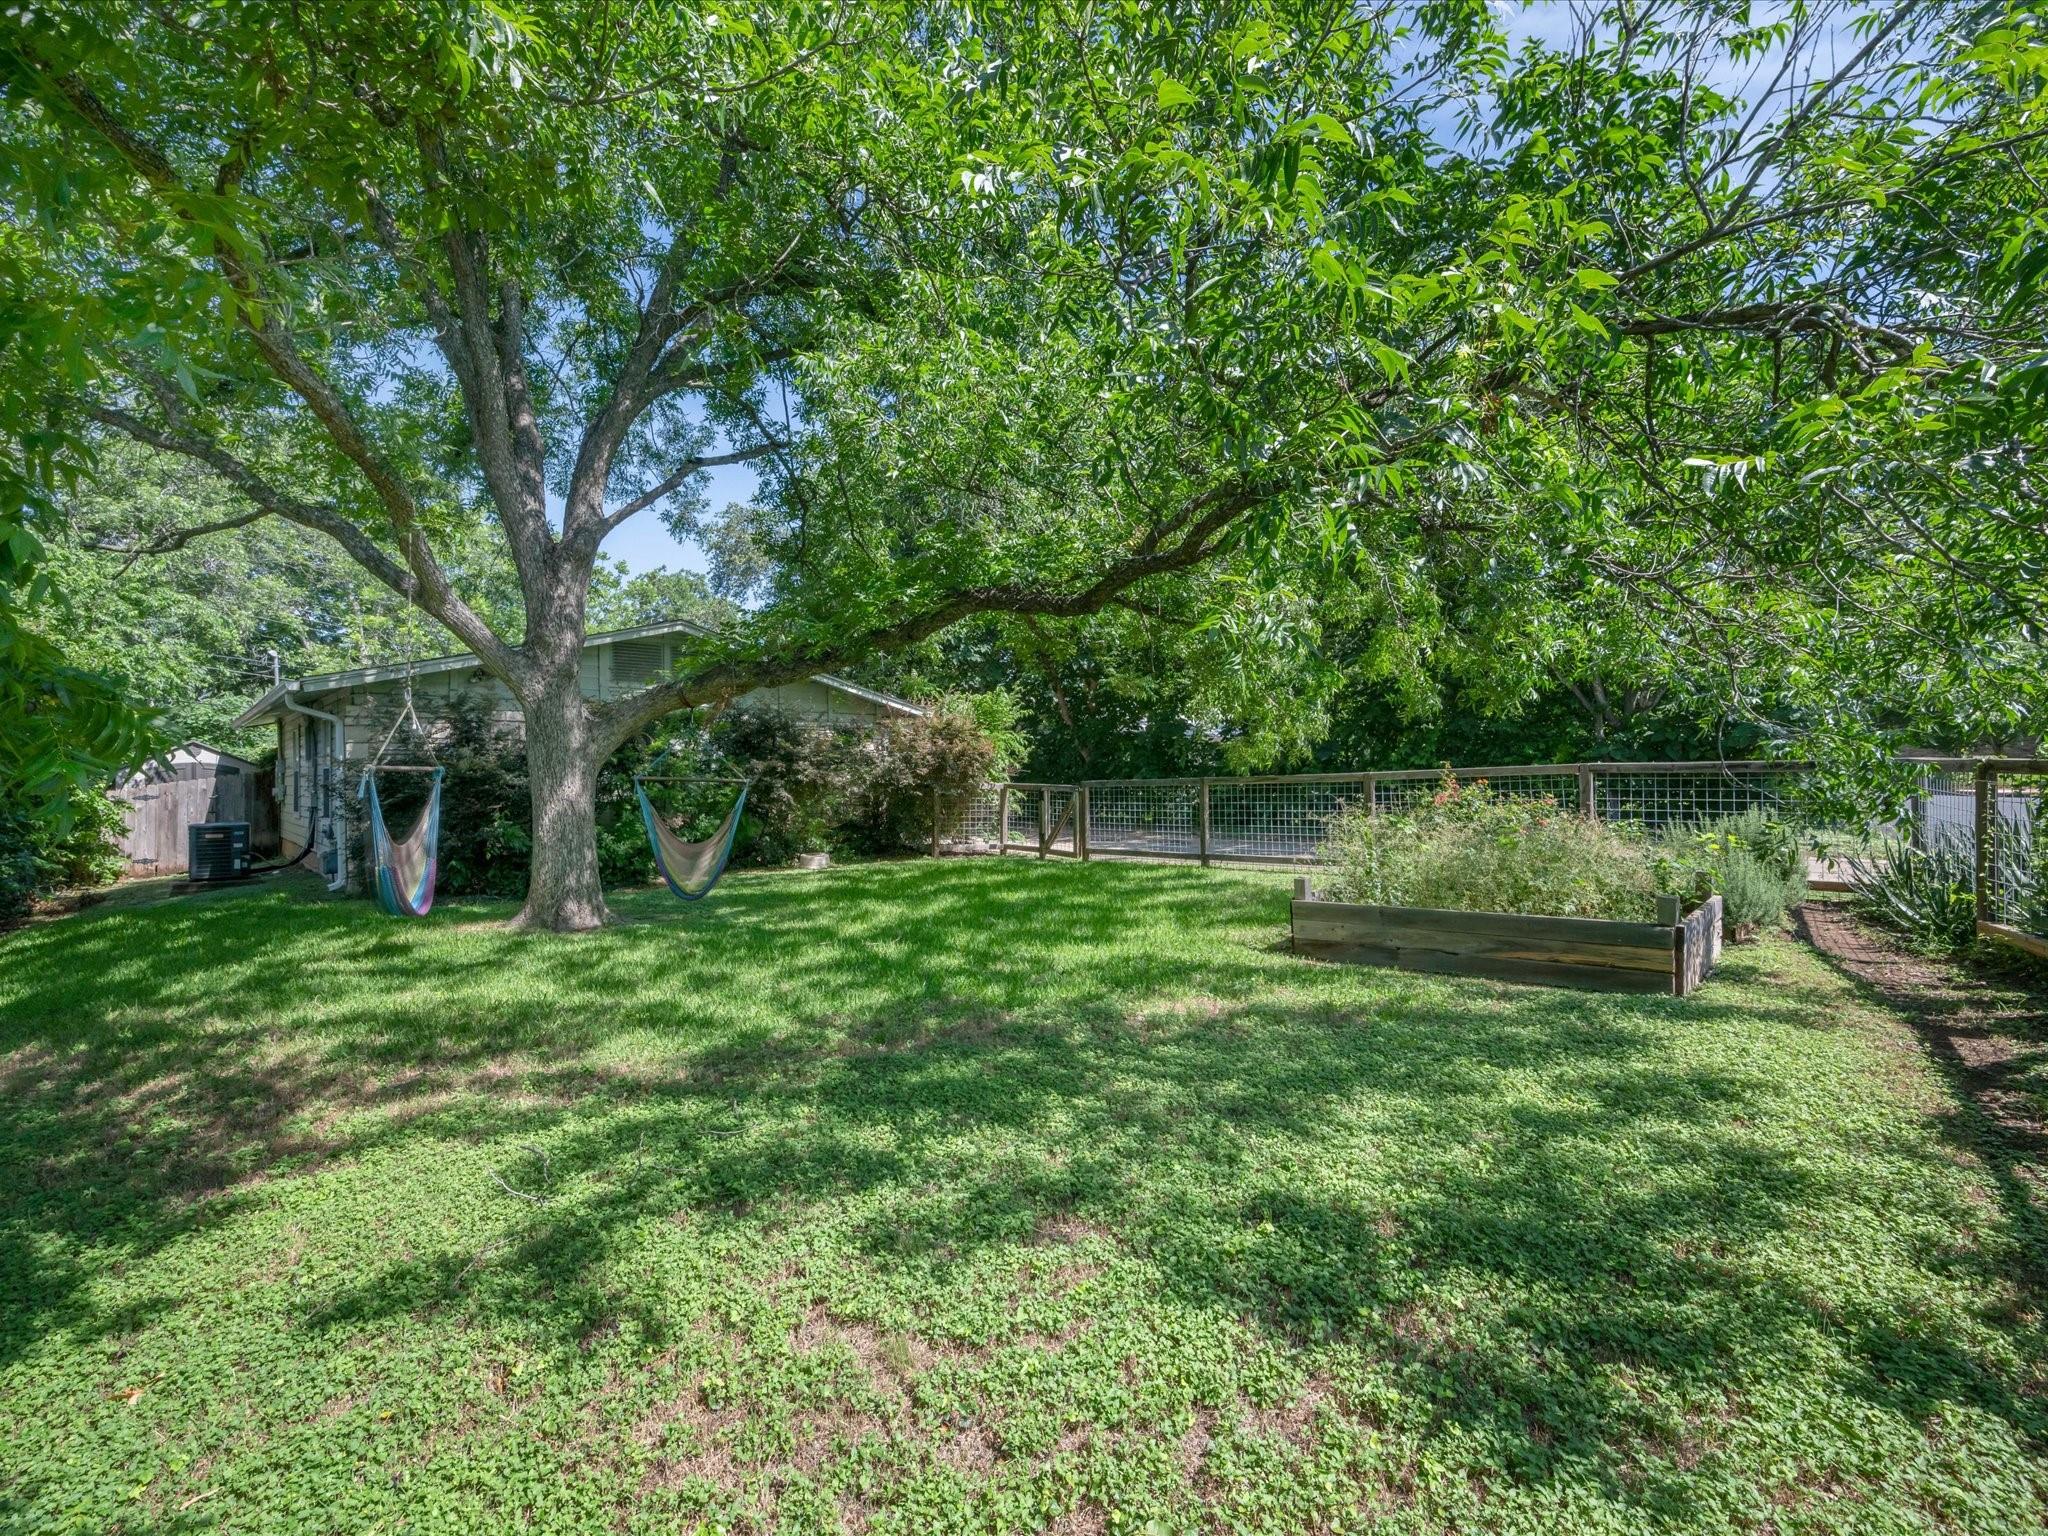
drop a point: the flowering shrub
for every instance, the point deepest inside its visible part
(1468, 848)
(950, 751)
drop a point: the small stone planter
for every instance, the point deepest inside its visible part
(813, 860)
(1671, 957)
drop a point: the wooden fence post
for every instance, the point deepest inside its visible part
(1081, 825)
(1003, 820)
(1372, 794)
(1587, 807)
(1044, 821)
(935, 821)
(1202, 825)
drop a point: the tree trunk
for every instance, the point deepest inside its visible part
(563, 891)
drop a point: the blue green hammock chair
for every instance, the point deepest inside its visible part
(403, 869)
(690, 869)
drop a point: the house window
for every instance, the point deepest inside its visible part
(636, 663)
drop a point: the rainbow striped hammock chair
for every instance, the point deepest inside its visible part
(403, 869)
(690, 869)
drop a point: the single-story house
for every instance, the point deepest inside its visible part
(329, 726)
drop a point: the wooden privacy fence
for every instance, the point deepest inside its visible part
(159, 812)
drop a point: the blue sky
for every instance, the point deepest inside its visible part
(644, 544)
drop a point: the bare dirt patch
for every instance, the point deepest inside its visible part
(1069, 1231)
(892, 1362)
(1292, 1421)
(1193, 1452)
(706, 1442)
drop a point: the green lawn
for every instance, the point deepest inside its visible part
(974, 1196)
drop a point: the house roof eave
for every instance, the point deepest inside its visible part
(269, 703)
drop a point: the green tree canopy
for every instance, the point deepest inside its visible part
(63, 727)
(1028, 313)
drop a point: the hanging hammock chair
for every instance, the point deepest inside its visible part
(691, 869)
(404, 868)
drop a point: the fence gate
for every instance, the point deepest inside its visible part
(1049, 820)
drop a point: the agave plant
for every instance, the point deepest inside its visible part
(1924, 892)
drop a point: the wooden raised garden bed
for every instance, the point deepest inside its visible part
(1672, 957)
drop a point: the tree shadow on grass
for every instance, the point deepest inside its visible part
(966, 1056)
(1987, 1038)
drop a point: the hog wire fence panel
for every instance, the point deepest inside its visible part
(1159, 818)
(966, 823)
(1944, 806)
(1659, 795)
(1406, 788)
(1277, 820)
(2011, 827)
(1283, 819)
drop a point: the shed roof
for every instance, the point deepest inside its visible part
(192, 750)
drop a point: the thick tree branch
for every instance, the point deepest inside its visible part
(531, 448)
(439, 600)
(674, 377)
(656, 365)
(583, 510)
(428, 584)
(499, 409)
(175, 538)
(1206, 519)
(509, 447)
(1770, 319)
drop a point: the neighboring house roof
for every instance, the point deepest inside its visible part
(270, 703)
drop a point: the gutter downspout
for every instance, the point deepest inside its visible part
(334, 813)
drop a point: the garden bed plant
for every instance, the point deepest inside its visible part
(1467, 848)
